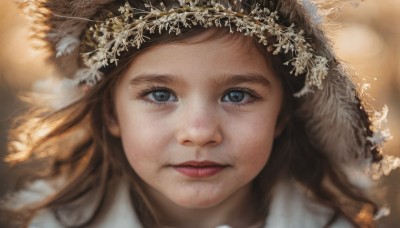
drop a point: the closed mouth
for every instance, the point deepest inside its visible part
(203, 169)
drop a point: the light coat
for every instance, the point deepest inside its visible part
(290, 208)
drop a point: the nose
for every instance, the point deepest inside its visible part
(199, 127)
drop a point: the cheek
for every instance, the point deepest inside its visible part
(254, 144)
(143, 139)
(254, 153)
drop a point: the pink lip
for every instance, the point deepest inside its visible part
(201, 169)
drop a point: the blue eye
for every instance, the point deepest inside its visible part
(241, 96)
(161, 96)
(236, 96)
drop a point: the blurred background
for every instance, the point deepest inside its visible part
(367, 38)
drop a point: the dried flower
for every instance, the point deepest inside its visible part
(121, 32)
(381, 134)
(384, 167)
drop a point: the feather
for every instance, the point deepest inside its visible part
(312, 10)
(32, 194)
(66, 45)
(57, 93)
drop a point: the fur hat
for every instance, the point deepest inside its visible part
(336, 117)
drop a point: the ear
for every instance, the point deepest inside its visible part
(113, 127)
(283, 119)
(112, 122)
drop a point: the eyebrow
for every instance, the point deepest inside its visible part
(227, 80)
(155, 78)
(224, 80)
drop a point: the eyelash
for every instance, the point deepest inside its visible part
(146, 92)
(253, 96)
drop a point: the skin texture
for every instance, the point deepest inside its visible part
(199, 100)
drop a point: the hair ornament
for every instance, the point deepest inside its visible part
(381, 134)
(127, 30)
(384, 167)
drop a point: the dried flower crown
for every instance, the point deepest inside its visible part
(121, 32)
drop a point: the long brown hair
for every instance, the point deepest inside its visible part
(91, 158)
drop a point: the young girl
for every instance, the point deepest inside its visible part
(196, 113)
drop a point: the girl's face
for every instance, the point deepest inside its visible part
(197, 119)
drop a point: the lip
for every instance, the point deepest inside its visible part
(199, 169)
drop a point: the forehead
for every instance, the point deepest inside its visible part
(207, 53)
(198, 35)
(207, 48)
(213, 40)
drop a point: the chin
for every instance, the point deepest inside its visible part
(196, 202)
